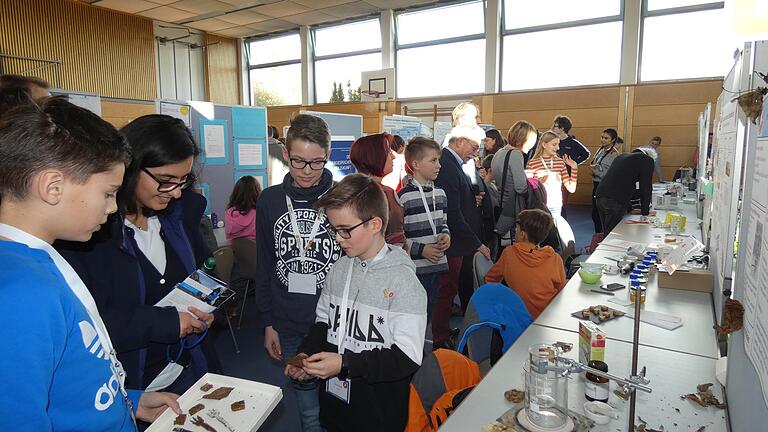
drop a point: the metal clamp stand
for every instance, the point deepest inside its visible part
(635, 349)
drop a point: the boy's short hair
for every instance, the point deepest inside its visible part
(55, 134)
(657, 139)
(563, 122)
(309, 128)
(536, 224)
(359, 193)
(417, 148)
(19, 81)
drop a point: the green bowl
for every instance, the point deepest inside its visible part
(589, 277)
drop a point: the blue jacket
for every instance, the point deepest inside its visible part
(109, 266)
(463, 213)
(50, 377)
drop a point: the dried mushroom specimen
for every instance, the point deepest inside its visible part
(733, 318)
(206, 387)
(514, 395)
(238, 406)
(198, 421)
(219, 394)
(496, 427)
(196, 409)
(705, 397)
(180, 420)
(563, 346)
(296, 361)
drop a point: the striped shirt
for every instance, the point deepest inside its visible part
(416, 224)
(553, 174)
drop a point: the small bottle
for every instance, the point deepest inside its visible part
(214, 220)
(209, 266)
(642, 268)
(634, 289)
(596, 387)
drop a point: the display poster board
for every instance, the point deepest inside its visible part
(727, 160)
(345, 129)
(405, 126)
(747, 378)
(233, 144)
(440, 130)
(89, 101)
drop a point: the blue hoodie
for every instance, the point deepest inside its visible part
(52, 367)
(277, 254)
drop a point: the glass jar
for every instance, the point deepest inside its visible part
(546, 390)
(596, 387)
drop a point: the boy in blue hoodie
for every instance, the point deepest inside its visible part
(60, 168)
(295, 250)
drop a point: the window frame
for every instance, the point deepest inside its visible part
(247, 45)
(665, 12)
(435, 42)
(556, 26)
(316, 58)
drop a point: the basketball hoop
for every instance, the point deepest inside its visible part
(372, 93)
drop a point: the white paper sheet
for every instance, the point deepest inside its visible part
(215, 142)
(250, 153)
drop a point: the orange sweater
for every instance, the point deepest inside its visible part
(535, 274)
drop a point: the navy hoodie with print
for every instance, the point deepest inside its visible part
(278, 254)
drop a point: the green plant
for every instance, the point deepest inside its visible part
(263, 97)
(338, 93)
(354, 95)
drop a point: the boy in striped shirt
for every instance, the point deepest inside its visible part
(424, 208)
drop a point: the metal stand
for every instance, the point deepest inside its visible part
(641, 377)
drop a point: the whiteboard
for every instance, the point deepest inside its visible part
(89, 101)
(747, 379)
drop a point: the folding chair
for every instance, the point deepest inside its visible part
(480, 266)
(224, 263)
(245, 254)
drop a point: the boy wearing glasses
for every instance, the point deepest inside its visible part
(294, 251)
(368, 337)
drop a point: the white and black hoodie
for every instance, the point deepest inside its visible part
(384, 341)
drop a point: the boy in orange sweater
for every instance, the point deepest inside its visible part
(535, 273)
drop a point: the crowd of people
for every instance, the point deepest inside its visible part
(97, 225)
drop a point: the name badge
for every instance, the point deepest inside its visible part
(339, 389)
(299, 283)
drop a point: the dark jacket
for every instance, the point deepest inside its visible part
(277, 254)
(110, 265)
(573, 148)
(619, 182)
(463, 214)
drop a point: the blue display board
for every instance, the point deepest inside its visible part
(339, 164)
(260, 176)
(214, 142)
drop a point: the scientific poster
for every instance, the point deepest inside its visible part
(179, 111)
(214, 142)
(250, 154)
(260, 176)
(405, 126)
(339, 163)
(441, 130)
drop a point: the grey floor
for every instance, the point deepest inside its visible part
(252, 362)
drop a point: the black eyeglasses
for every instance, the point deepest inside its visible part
(301, 164)
(346, 233)
(165, 186)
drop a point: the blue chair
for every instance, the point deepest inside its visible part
(493, 308)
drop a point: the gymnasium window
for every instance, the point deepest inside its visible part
(274, 65)
(342, 53)
(441, 50)
(560, 43)
(703, 47)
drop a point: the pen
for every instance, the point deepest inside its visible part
(602, 292)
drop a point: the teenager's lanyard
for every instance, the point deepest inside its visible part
(297, 233)
(426, 206)
(81, 292)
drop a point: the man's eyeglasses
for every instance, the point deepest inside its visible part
(301, 164)
(346, 233)
(165, 186)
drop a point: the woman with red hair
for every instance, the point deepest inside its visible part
(372, 155)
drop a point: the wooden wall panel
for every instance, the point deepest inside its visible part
(100, 51)
(372, 113)
(667, 115)
(120, 114)
(222, 67)
(696, 92)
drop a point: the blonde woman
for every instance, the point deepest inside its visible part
(551, 170)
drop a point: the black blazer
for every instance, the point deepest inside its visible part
(463, 214)
(109, 266)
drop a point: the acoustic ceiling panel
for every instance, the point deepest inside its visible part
(166, 13)
(351, 10)
(202, 7)
(238, 32)
(282, 9)
(130, 7)
(210, 25)
(243, 17)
